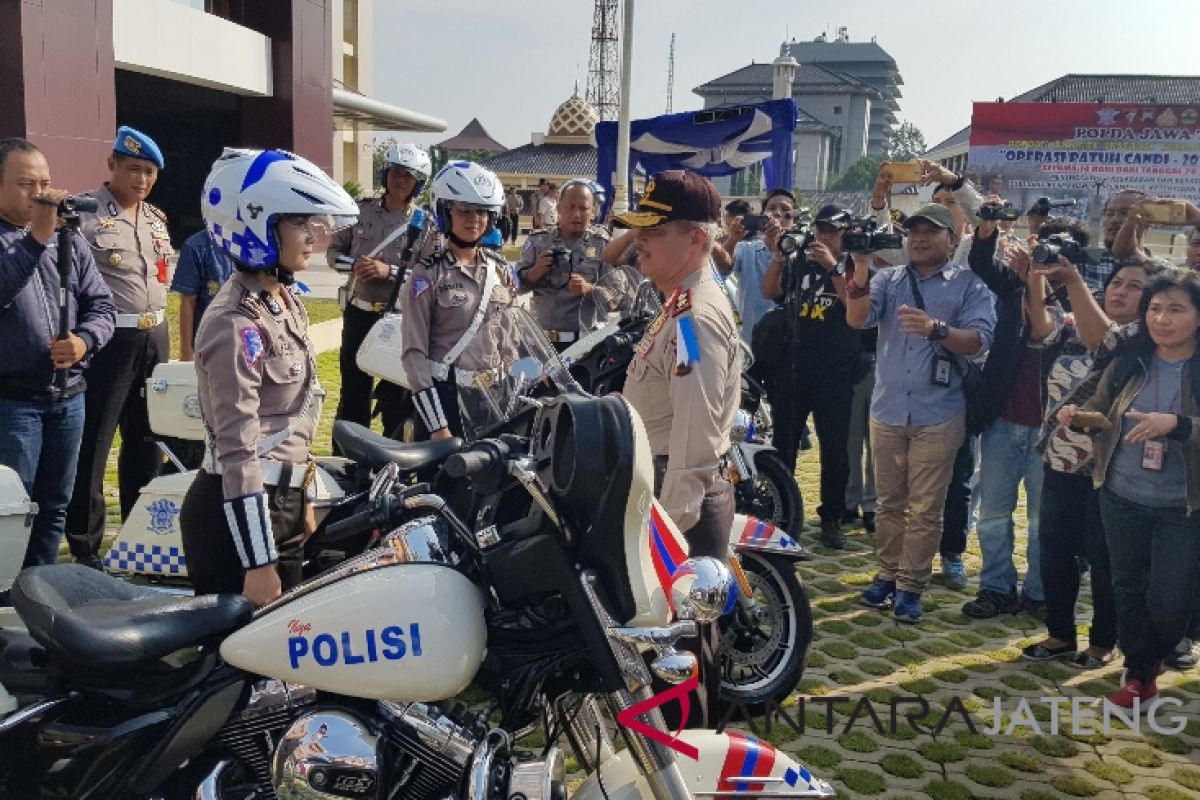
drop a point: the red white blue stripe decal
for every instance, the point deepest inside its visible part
(746, 757)
(665, 553)
(757, 531)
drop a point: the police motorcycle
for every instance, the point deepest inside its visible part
(546, 572)
(765, 641)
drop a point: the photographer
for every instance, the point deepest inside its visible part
(951, 190)
(823, 355)
(561, 265)
(1009, 456)
(1116, 215)
(1128, 242)
(918, 408)
(43, 419)
(751, 255)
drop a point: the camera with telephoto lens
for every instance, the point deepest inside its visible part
(1049, 249)
(73, 204)
(1044, 205)
(999, 212)
(864, 236)
(799, 237)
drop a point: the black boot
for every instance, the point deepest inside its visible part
(831, 534)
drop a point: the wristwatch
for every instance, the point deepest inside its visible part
(940, 331)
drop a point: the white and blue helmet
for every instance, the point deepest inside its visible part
(246, 192)
(411, 158)
(465, 182)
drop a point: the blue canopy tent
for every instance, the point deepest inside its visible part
(716, 141)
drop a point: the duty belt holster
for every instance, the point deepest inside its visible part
(285, 481)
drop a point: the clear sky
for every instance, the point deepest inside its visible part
(512, 62)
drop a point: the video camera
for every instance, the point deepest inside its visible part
(1044, 205)
(1049, 249)
(999, 212)
(72, 204)
(799, 237)
(754, 224)
(865, 236)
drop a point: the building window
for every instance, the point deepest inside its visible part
(837, 110)
(747, 182)
(835, 152)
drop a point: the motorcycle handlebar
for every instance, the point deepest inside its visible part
(479, 458)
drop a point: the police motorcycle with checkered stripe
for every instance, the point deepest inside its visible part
(765, 641)
(543, 570)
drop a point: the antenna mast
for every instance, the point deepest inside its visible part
(602, 89)
(671, 74)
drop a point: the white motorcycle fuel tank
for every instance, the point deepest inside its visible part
(403, 632)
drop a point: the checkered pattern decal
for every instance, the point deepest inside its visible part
(146, 558)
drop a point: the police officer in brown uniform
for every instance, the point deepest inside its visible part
(561, 265)
(375, 247)
(453, 300)
(131, 246)
(685, 377)
(246, 515)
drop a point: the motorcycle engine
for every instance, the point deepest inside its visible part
(417, 751)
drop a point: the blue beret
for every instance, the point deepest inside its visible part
(134, 143)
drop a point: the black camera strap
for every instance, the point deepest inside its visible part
(919, 299)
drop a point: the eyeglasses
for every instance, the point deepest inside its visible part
(469, 209)
(315, 227)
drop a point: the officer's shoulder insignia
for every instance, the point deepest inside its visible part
(252, 343)
(643, 348)
(249, 305)
(156, 211)
(601, 232)
(657, 324)
(682, 304)
(687, 348)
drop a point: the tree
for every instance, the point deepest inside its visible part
(905, 143)
(860, 177)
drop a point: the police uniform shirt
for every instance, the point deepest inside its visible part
(375, 223)
(255, 368)
(555, 307)
(132, 254)
(438, 306)
(825, 339)
(202, 270)
(685, 383)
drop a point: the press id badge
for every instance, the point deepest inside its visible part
(1153, 454)
(941, 370)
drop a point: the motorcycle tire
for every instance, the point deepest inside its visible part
(762, 659)
(774, 495)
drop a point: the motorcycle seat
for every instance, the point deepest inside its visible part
(86, 619)
(363, 445)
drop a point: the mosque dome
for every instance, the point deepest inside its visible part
(576, 118)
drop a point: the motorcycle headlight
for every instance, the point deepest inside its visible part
(743, 426)
(701, 592)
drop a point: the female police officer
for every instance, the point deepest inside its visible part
(452, 304)
(246, 515)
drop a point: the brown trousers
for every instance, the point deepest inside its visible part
(913, 466)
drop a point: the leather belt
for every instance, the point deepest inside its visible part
(463, 377)
(561, 337)
(300, 475)
(366, 305)
(143, 322)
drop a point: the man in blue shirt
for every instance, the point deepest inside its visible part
(752, 257)
(929, 312)
(200, 273)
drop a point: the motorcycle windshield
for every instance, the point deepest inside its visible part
(529, 364)
(620, 294)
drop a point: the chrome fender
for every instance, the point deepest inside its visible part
(730, 765)
(757, 535)
(743, 454)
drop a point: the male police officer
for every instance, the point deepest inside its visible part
(43, 420)
(129, 241)
(562, 264)
(684, 379)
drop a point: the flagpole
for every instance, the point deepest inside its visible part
(620, 187)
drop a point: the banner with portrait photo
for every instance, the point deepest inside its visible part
(1085, 151)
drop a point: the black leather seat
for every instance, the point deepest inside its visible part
(86, 619)
(367, 447)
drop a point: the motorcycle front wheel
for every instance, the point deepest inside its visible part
(764, 644)
(773, 494)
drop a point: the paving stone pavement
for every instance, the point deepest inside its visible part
(952, 662)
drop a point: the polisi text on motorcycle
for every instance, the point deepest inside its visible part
(364, 646)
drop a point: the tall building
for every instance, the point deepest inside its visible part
(848, 95)
(197, 76)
